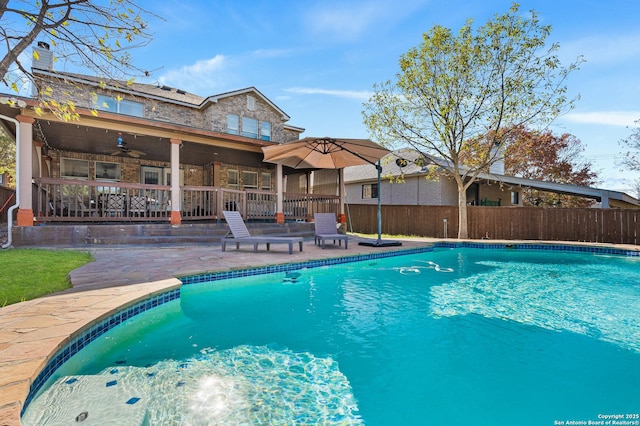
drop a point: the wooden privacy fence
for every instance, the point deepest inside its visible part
(618, 226)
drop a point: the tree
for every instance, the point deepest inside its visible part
(85, 33)
(636, 188)
(455, 95)
(630, 158)
(7, 155)
(542, 155)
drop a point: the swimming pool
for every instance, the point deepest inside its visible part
(450, 336)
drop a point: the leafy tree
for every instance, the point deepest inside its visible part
(636, 188)
(7, 155)
(630, 158)
(456, 93)
(88, 34)
(542, 155)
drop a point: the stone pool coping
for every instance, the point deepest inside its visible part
(32, 332)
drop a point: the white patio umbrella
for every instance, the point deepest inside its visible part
(331, 153)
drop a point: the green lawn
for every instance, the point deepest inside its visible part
(30, 273)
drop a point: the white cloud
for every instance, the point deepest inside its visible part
(605, 48)
(608, 118)
(351, 20)
(344, 21)
(362, 95)
(206, 74)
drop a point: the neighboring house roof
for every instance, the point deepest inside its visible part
(390, 168)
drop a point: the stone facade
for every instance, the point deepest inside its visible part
(174, 106)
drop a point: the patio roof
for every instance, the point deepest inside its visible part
(99, 135)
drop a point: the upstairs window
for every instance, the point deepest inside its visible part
(232, 124)
(265, 131)
(250, 127)
(122, 106)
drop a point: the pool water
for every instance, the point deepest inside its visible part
(449, 337)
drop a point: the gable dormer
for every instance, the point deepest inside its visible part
(246, 112)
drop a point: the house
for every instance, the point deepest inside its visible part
(151, 153)
(491, 189)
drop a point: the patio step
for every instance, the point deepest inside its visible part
(77, 235)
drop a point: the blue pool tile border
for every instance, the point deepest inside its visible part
(542, 246)
(216, 276)
(92, 333)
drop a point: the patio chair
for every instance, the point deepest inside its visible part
(241, 234)
(326, 228)
(137, 205)
(113, 205)
(79, 208)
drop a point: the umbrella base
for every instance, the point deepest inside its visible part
(380, 243)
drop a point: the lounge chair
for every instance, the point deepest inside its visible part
(241, 234)
(327, 229)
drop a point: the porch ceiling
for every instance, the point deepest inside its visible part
(82, 138)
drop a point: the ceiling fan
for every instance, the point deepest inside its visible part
(122, 149)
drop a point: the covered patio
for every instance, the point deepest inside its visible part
(120, 169)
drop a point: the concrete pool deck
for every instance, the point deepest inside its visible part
(31, 332)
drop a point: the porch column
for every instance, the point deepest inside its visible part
(175, 218)
(342, 218)
(279, 194)
(25, 173)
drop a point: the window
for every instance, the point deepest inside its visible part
(130, 108)
(265, 131)
(250, 127)
(107, 103)
(232, 178)
(250, 180)
(232, 124)
(515, 198)
(107, 171)
(251, 103)
(71, 168)
(266, 181)
(369, 190)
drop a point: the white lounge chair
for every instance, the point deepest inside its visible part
(326, 228)
(241, 234)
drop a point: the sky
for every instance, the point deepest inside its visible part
(318, 60)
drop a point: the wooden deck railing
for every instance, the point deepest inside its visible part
(67, 200)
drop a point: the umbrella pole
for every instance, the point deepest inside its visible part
(379, 242)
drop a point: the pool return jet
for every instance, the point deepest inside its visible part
(332, 153)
